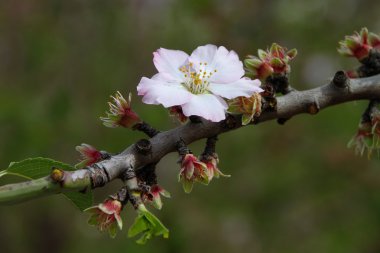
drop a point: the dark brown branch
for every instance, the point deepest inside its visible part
(294, 103)
(289, 105)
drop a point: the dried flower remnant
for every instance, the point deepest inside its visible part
(363, 140)
(89, 155)
(120, 113)
(106, 216)
(247, 107)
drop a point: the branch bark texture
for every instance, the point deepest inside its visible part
(294, 103)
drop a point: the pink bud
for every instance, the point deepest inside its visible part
(192, 170)
(89, 154)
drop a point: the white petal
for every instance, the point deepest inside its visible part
(160, 92)
(226, 63)
(244, 87)
(207, 106)
(228, 67)
(203, 54)
(169, 61)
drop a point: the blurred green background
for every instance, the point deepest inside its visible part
(294, 188)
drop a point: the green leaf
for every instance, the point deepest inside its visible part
(34, 168)
(187, 185)
(139, 226)
(148, 225)
(79, 199)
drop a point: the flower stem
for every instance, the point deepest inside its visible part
(147, 129)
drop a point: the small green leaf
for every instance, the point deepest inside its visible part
(187, 185)
(139, 226)
(148, 225)
(34, 168)
(79, 199)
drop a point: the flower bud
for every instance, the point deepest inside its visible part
(192, 170)
(153, 195)
(274, 61)
(89, 154)
(106, 216)
(211, 161)
(359, 45)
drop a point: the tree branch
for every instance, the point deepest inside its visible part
(296, 102)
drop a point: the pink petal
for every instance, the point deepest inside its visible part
(169, 61)
(242, 88)
(165, 93)
(207, 106)
(226, 63)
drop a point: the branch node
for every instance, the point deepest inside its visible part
(99, 176)
(122, 195)
(57, 175)
(313, 108)
(144, 146)
(182, 148)
(340, 79)
(147, 174)
(128, 174)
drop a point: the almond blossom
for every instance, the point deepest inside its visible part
(199, 82)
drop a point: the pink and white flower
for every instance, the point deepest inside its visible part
(199, 82)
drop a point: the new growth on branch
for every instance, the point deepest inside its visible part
(210, 92)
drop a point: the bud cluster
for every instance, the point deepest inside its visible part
(194, 169)
(359, 45)
(274, 61)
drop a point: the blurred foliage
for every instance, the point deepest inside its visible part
(294, 188)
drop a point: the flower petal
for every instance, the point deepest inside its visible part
(242, 88)
(119, 221)
(207, 106)
(169, 61)
(160, 92)
(224, 65)
(203, 54)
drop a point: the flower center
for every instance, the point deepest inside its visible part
(197, 82)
